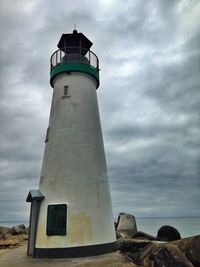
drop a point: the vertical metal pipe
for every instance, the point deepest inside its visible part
(97, 62)
(80, 50)
(89, 57)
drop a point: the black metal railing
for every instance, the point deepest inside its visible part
(74, 54)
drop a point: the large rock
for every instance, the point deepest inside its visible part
(166, 256)
(27, 230)
(22, 226)
(191, 248)
(122, 234)
(15, 230)
(4, 230)
(3, 236)
(168, 233)
(132, 245)
(153, 253)
(18, 229)
(126, 224)
(144, 236)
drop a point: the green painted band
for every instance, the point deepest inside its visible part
(78, 67)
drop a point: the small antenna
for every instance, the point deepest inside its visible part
(74, 26)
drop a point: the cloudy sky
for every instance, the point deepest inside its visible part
(149, 98)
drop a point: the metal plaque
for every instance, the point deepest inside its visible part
(56, 219)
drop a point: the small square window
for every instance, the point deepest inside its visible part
(66, 91)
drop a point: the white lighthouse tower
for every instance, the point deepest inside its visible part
(71, 213)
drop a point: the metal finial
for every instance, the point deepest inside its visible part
(74, 31)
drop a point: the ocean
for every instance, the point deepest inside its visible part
(186, 226)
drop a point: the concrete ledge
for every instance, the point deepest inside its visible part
(56, 253)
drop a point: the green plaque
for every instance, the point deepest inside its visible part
(56, 219)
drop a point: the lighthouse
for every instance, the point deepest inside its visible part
(71, 212)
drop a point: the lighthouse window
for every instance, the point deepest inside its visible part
(56, 219)
(47, 135)
(66, 91)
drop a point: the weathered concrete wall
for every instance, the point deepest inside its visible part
(74, 168)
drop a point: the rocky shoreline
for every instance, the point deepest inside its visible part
(167, 249)
(12, 237)
(183, 253)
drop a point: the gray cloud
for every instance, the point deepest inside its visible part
(149, 99)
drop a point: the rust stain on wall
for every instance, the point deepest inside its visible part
(80, 228)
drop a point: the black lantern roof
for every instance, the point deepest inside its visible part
(75, 39)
